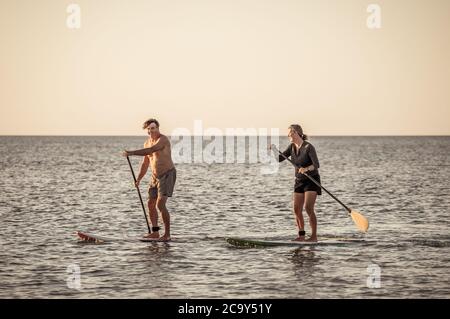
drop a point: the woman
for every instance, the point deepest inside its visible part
(303, 154)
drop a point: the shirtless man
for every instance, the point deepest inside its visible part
(157, 154)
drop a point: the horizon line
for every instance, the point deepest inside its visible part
(101, 135)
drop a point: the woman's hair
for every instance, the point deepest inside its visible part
(299, 130)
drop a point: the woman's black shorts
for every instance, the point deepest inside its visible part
(304, 184)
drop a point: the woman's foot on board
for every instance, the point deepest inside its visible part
(301, 236)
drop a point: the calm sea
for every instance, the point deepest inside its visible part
(50, 187)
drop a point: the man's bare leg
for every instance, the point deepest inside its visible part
(161, 204)
(153, 217)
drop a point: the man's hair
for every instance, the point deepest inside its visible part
(150, 121)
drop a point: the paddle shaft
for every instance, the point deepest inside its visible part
(139, 193)
(315, 182)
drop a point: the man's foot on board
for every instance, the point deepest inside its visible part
(312, 239)
(164, 238)
(154, 235)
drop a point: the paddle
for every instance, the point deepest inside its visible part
(360, 221)
(139, 193)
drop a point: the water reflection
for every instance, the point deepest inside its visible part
(159, 251)
(304, 261)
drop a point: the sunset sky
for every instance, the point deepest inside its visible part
(229, 63)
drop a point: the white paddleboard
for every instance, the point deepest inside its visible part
(83, 236)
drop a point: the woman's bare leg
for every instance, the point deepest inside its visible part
(299, 199)
(310, 201)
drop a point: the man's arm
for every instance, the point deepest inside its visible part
(144, 167)
(163, 141)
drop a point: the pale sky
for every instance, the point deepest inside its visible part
(229, 63)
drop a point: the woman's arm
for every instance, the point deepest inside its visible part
(313, 156)
(286, 153)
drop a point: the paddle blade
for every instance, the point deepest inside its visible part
(360, 221)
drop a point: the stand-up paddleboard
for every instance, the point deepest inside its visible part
(100, 239)
(243, 242)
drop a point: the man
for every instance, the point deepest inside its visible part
(157, 154)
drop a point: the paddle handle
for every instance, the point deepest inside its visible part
(314, 181)
(139, 193)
